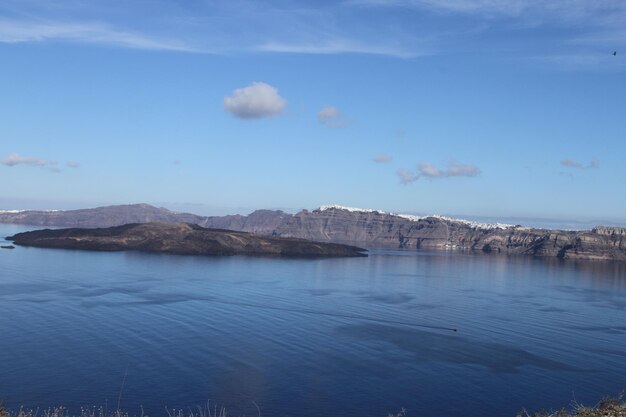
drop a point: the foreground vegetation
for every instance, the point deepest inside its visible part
(208, 411)
(608, 407)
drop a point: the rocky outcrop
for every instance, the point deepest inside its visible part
(182, 239)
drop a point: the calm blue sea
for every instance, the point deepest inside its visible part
(334, 337)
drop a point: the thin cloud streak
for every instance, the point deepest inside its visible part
(337, 47)
(15, 160)
(587, 25)
(96, 33)
(429, 171)
(348, 27)
(209, 28)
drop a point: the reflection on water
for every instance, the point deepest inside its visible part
(349, 337)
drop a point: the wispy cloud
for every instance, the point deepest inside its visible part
(15, 159)
(466, 6)
(373, 27)
(382, 158)
(339, 46)
(584, 32)
(571, 163)
(255, 101)
(210, 27)
(329, 116)
(427, 170)
(15, 31)
(565, 10)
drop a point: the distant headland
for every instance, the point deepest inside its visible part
(361, 227)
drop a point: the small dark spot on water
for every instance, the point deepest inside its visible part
(432, 346)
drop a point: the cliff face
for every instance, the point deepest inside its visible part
(375, 229)
(368, 228)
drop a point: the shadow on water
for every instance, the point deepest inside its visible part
(389, 298)
(147, 299)
(602, 329)
(430, 346)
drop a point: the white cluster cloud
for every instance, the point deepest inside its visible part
(427, 170)
(331, 117)
(571, 163)
(382, 158)
(255, 101)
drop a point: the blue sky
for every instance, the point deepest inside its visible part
(472, 107)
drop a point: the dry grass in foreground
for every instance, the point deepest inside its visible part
(607, 407)
(207, 411)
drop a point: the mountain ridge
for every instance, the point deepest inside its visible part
(362, 227)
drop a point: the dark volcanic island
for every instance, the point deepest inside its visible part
(181, 239)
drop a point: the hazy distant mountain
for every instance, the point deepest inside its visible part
(98, 217)
(361, 227)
